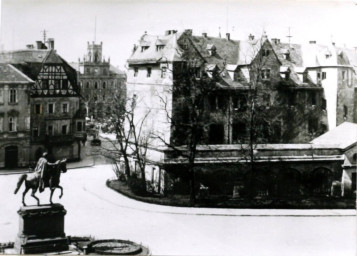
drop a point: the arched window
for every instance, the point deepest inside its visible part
(104, 85)
(87, 85)
(95, 85)
(321, 181)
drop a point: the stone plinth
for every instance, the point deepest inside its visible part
(41, 229)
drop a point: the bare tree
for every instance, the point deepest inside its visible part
(132, 140)
(189, 113)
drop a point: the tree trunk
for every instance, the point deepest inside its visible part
(192, 186)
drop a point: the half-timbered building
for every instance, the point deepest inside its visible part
(57, 122)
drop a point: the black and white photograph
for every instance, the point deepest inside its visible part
(178, 127)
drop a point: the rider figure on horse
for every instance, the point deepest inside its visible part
(41, 167)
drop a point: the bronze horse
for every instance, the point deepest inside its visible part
(51, 179)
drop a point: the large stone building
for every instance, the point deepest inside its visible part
(101, 83)
(56, 119)
(305, 100)
(14, 117)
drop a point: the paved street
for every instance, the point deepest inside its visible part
(95, 210)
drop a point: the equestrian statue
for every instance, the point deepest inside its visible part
(45, 175)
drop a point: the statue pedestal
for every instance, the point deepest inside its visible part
(41, 229)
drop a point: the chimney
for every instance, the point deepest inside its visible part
(170, 32)
(228, 36)
(312, 42)
(204, 35)
(251, 37)
(275, 40)
(51, 43)
(39, 45)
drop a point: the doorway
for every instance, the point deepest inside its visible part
(11, 157)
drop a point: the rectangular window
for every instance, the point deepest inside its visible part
(266, 52)
(265, 74)
(44, 84)
(79, 126)
(323, 75)
(313, 98)
(64, 84)
(35, 132)
(148, 72)
(65, 108)
(318, 75)
(12, 124)
(13, 96)
(64, 129)
(50, 130)
(163, 72)
(216, 134)
(51, 108)
(240, 103)
(313, 125)
(38, 109)
(344, 75)
(238, 132)
(197, 72)
(323, 104)
(57, 84)
(1, 96)
(136, 70)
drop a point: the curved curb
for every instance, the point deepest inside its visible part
(241, 212)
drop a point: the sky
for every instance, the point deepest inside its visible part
(120, 23)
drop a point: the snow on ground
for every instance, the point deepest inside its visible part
(93, 209)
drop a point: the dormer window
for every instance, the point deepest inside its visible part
(287, 56)
(266, 52)
(144, 48)
(159, 47)
(211, 49)
(265, 74)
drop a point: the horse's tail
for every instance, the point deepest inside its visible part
(19, 183)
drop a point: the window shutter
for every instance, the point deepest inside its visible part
(1, 96)
(40, 109)
(16, 98)
(15, 124)
(1, 124)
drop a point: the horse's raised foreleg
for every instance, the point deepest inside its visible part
(24, 194)
(33, 195)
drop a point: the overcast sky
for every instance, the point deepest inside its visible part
(120, 23)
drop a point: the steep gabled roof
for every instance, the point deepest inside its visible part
(31, 61)
(294, 52)
(170, 52)
(226, 51)
(9, 74)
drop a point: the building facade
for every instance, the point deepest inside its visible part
(299, 99)
(57, 122)
(14, 117)
(101, 83)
